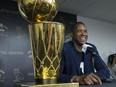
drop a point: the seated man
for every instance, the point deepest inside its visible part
(73, 56)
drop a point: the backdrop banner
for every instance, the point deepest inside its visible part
(15, 52)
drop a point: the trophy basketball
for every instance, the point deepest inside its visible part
(46, 38)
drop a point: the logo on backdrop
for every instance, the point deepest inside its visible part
(18, 75)
(9, 11)
(21, 33)
(2, 76)
(3, 30)
(30, 54)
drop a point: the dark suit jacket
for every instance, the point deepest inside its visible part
(70, 63)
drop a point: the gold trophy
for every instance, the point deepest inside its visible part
(46, 38)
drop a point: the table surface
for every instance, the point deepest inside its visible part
(48, 85)
(105, 84)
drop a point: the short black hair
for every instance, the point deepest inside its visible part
(76, 24)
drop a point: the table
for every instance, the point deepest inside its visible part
(105, 84)
(48, 85)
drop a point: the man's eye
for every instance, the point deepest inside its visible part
(78, 31)
(85, 31)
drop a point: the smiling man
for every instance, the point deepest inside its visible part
(91, 72)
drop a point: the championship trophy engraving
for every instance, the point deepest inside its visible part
(46, 38)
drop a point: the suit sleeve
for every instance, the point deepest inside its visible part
(100, 66)
(63, 78)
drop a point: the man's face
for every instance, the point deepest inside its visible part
(80, 34)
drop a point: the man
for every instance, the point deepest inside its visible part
(73, 56)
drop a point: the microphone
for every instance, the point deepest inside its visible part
(86, 48)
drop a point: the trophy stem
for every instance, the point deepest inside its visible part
(46, 43)
(46, 81)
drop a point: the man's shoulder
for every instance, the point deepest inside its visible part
(91, 44)
(68, 45)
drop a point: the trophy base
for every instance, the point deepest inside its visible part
(48, 85)
(46, 81)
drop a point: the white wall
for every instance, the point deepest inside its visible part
(102, 34)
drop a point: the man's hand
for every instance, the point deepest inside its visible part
(87, 79)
